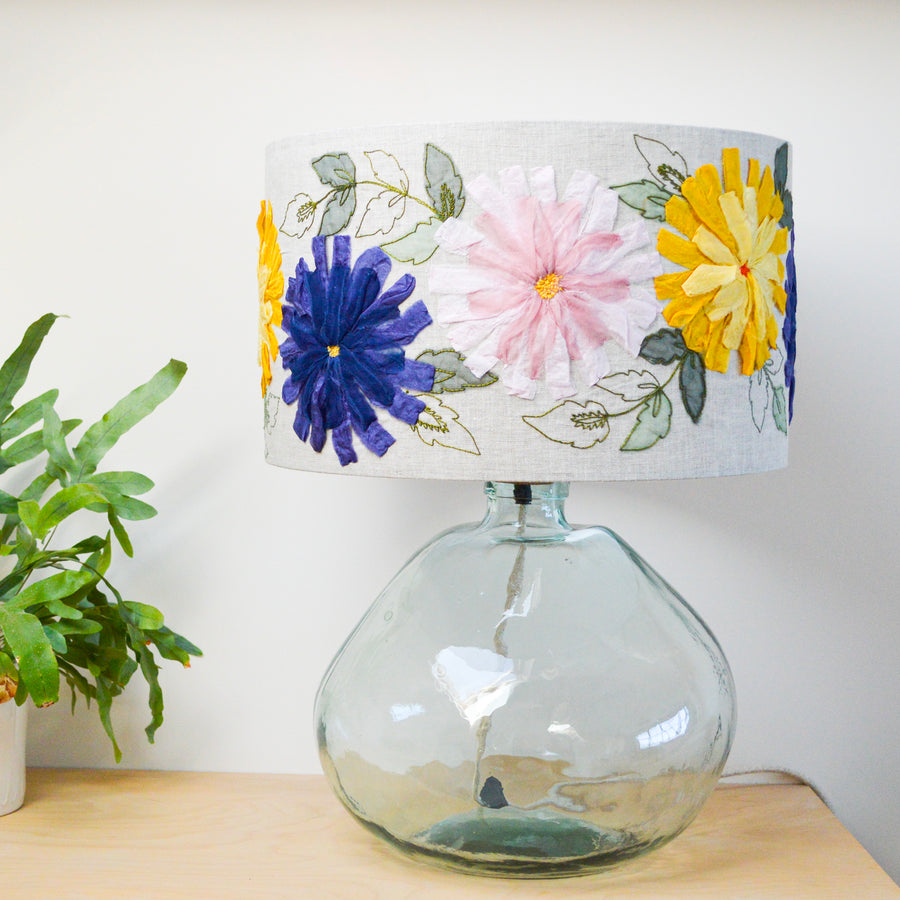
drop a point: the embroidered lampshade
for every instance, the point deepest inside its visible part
(527, 304)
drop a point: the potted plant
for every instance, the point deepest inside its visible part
(60, 617)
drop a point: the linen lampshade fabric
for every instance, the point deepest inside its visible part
(528, 302)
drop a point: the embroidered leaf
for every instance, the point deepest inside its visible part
(387, 170)
(775, 363)
(781, 177)
(665, 165)
(439, 424)
(692, 382)
(647, 197)
(779, 409)
(631, 386)
(451, 373)
(381, 213)
(335, 169)
(663, 347)
(443, 183)
(578, 425)
(416, 247)
(760, 393)
(299, 216)
(338, 211)
(653, 422)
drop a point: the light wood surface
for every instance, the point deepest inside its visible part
(118, 834)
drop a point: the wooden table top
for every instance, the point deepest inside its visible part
(98, 834)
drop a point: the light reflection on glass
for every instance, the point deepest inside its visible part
(665, 731)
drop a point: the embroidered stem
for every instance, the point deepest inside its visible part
(380, 184)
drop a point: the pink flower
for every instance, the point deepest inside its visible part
(548, 281)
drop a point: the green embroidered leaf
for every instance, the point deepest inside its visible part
(578, 425)
(15, 369)
(760, 393)
(26, 416)
(298, 216)
(781, 176)
(779, 409)
(443, 183)
(381, 214)
(653, 423)
(451, 373)
(338, 212)
(439, 424)
(24, 635)
(416, 247)
(102, 435)
(647, 197)
(663, 347)
(335, 169)
(664, 164)
(387, 170)
(692, 383)
(632, 386)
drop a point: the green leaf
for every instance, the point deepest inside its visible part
(335, 169)
(439, 424)
(663, 347)
(451, 374)
(173, 646)
(120, 533)
(692, 383)
(667, 166)
(145, 617)
(653, 423)
(646, 196)
(15, 369)
(417, 246)
(104, 706)
(443, 183)
(65, 502)
(55, 445)
(32, 444)
(121, 482)
(102, 435)
(578, 425)
(51, 589)
(31, 647)
(57, 641)
(82, 627)
(9, 505)
(338, 212)
(26, 416)
(779, 409)
(30, 515)
(780, 172)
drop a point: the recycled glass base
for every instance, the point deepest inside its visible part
(526, 699)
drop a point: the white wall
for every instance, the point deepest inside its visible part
(131, 154)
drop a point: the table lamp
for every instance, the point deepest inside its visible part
(527, 304)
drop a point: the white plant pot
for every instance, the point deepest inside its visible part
(13, 721)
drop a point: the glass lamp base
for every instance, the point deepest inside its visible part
(526, 699)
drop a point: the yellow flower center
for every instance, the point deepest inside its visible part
(334, 350)
(548, 286)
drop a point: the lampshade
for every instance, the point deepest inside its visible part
(527, 304)
(528, 301)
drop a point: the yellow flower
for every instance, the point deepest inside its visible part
(271, 288)
(726, 300)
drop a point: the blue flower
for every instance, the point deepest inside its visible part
(789, 329)
(344, 349)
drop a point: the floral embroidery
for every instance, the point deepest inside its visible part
(726, 300)
(548, 281)
(344, 349)
(271, 287)
(388, 206)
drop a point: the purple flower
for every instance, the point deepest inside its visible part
(344, 349)
(789, 329)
